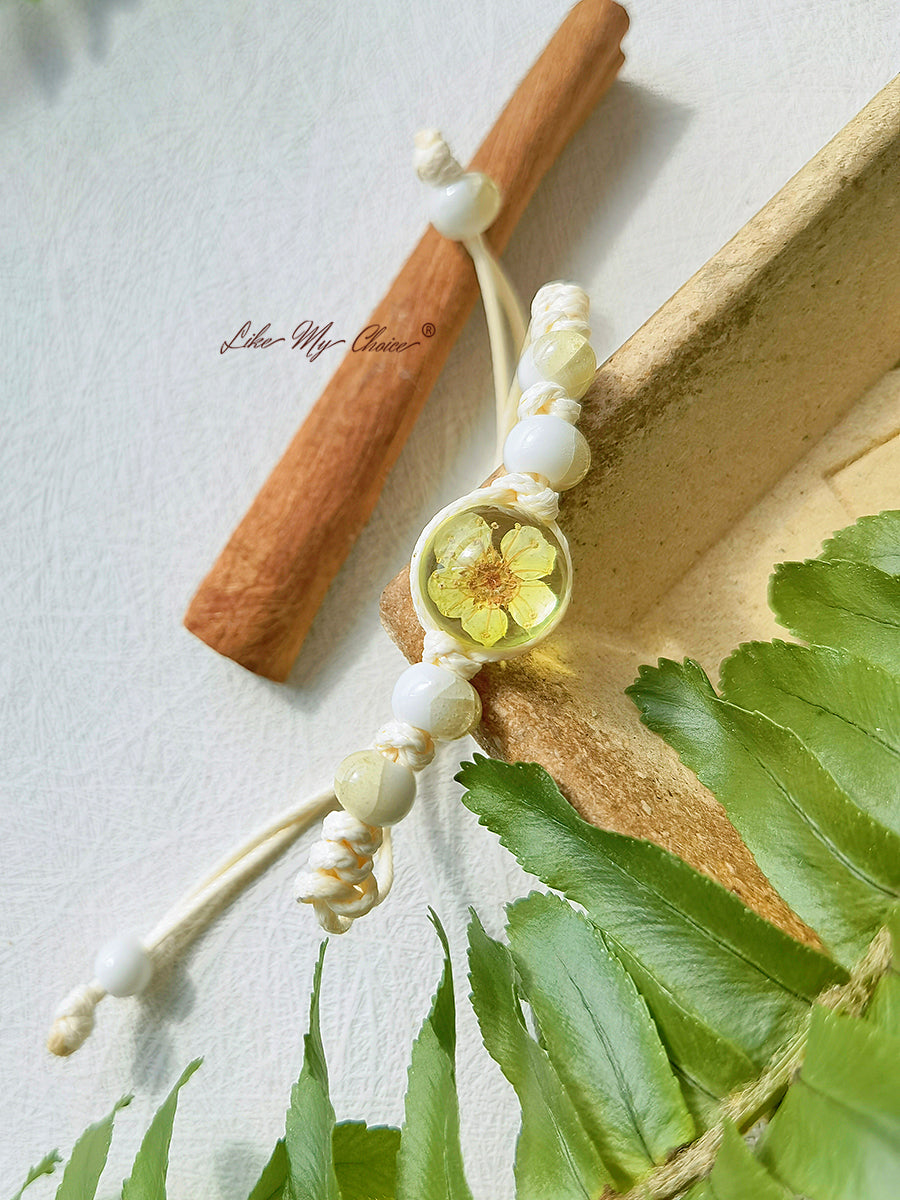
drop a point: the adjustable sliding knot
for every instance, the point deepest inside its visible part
(339, 879)
(402, 742)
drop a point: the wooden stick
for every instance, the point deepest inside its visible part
(260, 597)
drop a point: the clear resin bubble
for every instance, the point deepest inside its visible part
(495, 578)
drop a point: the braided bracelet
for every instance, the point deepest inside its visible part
(490, 577)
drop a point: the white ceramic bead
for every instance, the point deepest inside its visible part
(548, 446)
(123, 967)
(465, 207)
(373, 788)
(432, 698)
(527, 374)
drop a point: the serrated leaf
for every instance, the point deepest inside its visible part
(599, 1037)
(272, 1183)
(365, 1160)
(855, 1064)
(874, 541)
(737, 1175)
(843, 708)
(837, 867)
(555, 1159)
(700, 1191)
(707, 1065)
(842, 604)
(429, 1160)
(725, 987)
(884, 1009)
(147, 1180)
(46, 1166)
(836, 1135)
(88, 1158)
(309, 1123)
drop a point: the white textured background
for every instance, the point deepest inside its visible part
(169, 171)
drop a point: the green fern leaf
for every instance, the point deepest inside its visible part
(365, 1160)
(599, 1037)
(88, 1158)
(46, 1166)
(846, 605)
(843, 708)
(725, 987)
(836, 1135)
(148, 1173)
(272, 1183)
(309, 1124)
(555, 1159)
(429, 1160)
(737, 1174)
(884, 1009)
(838, 868)
(872, 541)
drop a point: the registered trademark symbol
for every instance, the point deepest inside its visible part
(428, 329)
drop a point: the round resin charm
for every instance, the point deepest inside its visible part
(495, 578)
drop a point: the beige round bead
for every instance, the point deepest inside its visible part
(566, 358)
(373, 788)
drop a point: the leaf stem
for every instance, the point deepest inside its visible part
(745, 1106)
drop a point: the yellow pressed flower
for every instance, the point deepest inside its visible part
(479, 584)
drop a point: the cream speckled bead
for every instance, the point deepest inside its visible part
(562, 357)
(373, 788)
(548, 446)
(123, 967)
(465, 207)
(435, 700)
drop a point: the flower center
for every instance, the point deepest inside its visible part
(489, 581)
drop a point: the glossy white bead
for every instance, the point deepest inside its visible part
(435, 700)
(465, 207)
(527, 374)
(123, 967)
(373, 788)
(548, 446)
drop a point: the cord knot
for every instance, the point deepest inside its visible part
(444, 650)
(560, 305)
(525, 491)
(339, 879)
(433, 160)
(73, 1021)
(548, 399)
(405, 743)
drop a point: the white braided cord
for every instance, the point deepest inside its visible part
(349, 871)
(548, 399)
